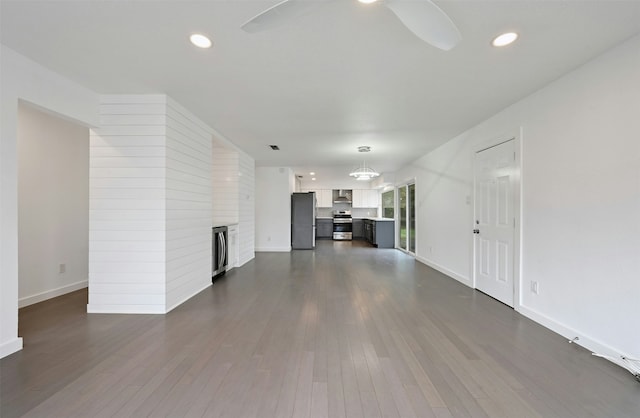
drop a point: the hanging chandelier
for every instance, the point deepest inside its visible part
(363, 172)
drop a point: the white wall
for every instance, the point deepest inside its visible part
(580, 201)
(274, 186)
(247, 210)
(128, 201)
(53, 205)
(150, 221)
(225, 185)
(188, 216)
(21, 78)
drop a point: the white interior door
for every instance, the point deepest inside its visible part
(495, 170)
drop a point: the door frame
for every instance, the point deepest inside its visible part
(516, 136)
(396, 199)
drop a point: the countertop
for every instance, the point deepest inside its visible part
(362, 217)
(217, 224)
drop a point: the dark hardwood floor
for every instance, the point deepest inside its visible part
(343, 331)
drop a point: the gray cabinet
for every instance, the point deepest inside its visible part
(358, 229)
(369, 225)
(324, 228)
(379, 233)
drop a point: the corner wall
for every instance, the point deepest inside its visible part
(580, 201)
(150, 218)
(21, 78)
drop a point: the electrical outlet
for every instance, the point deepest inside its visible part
(62, 268)
(534, 287)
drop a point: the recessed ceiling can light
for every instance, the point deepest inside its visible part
(313, 178)
(367, 1)
(504, 39)
(312, 173)
(200, 41)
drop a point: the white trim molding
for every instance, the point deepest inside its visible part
(273, 249)
(459, 277)
(571, 334)
(53, 293)
(10, 347)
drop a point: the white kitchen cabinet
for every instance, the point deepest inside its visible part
(324, 198)
(373, 198)
(233, 245)
(365, 198)
(356, 199)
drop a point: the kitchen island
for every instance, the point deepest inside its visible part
(379, 232)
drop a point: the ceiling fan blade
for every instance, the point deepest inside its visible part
(278, 14)
(427, 21)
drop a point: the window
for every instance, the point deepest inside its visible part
(387, 204)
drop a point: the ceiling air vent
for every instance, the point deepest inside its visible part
(275, 147)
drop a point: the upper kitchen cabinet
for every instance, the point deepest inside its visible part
(365, 198)
(324, 198)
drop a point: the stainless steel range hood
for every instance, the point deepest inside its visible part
(342, 196)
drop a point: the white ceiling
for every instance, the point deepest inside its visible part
(343, 76)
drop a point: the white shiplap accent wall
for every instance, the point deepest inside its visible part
(246, 227)
(188, 220)
(150, 206)
(127, 202)
(225, 185)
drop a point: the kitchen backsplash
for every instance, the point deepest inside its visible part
(356, 213)
(363, 213)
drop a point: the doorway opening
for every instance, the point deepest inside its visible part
(53, 205)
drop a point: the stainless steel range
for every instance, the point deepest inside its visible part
(342, 225)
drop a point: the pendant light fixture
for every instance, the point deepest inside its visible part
(363, 172)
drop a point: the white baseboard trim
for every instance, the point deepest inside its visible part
(462, 279)
(10, 347)
(273, 249)
(126, 309)
(569, 333)
(186, 298)
(50, 294)
(242, 262)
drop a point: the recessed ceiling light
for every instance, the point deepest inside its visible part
(313, 178)
(312, 174)
(367, 1)
(504, 39)
(200, 41)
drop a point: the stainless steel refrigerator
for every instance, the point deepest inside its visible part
(303, 221)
